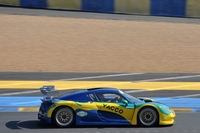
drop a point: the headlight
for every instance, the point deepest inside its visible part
(166, 108)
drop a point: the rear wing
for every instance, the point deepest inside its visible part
(49, 91)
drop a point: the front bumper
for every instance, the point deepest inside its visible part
(167, 119)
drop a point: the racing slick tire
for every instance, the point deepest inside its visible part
(64, 117)
(148, 117)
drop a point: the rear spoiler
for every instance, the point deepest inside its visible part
(49, 91)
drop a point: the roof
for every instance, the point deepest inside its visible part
(102, 89)
(79, 95)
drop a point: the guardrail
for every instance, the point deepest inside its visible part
(173, 8)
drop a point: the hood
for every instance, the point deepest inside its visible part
(162, 107)
(148, 100)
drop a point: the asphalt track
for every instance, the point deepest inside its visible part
(23, 122)
(27, 123)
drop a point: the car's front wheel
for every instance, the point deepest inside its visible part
(148, 117)
(64, 117)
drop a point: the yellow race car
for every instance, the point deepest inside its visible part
(102, 106)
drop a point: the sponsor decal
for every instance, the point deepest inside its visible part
(81, 113)
(113, 108)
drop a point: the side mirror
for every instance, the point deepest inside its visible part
(125, 102)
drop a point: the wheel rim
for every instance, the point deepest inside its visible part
(148, 116)
(64, 117)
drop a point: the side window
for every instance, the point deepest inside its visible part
(109, 97)
(92, 97)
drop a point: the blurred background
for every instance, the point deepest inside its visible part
(145, 47)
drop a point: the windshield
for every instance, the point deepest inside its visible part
(129, 97)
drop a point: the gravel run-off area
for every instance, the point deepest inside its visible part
(62, 44)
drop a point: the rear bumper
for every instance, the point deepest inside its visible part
(43, 118)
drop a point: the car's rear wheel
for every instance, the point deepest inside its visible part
(64, 117)
(148, 116)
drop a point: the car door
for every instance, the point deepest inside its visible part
(116, 111)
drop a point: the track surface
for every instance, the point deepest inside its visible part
(24, 122)
(162, 77)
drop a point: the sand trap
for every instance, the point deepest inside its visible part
(44, 44)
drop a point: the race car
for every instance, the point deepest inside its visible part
(102, 106)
